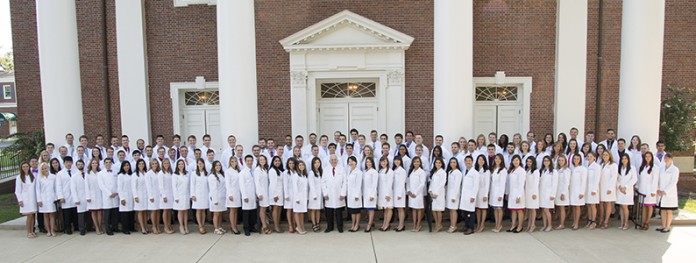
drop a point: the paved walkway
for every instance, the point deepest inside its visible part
(611, 245)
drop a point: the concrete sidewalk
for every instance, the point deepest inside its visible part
(612, 245)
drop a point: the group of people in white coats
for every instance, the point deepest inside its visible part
(522, 178)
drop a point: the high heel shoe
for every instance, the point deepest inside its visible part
(368, 229)
(400, 229)
(236, 232)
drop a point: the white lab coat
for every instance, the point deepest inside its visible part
(334, 186)
(275, 187)
(354, 186)
(370, 183)
(386, 188)
(607, 182)
(152, 186)
(531, 190)
(46, 193)
(139, 191)
(669, 177)
(437, 187)
(470, 184)
(63, 189)
(94, 194)
(648, 183)
(563, 187)
(416, 185)
(399, 187)
(594, 173)
(578, 185)
(261, 186)
(166, 190)
(548, 184)
(314, 198)
(498, 182)
(125, 192)
(540, 159)
(108, 184)
(225, 159)
(199, 189)
(248, 189)
(217, 193)
(628, 180)
(26, 193)
(181, 187)
(517, 181)
(232, 189)
(484, 187)
(287, 189)
(300, 193)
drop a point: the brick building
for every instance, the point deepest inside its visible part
(8, 104)
(268, 68)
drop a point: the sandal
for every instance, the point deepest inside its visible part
(452, 229)
(266, 230)
(202, 230)
(316, 228)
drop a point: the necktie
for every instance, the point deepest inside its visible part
(272, 154)
(83, 174)
(178, 155)
(127, 150)
(333, 171)
(34, 170)
(69, 173)
(341, 151)
(610, 143)
(108, 170)
(467, 172)
(240, 160)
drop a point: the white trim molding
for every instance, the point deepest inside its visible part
(525, 83)
(175, 90)
(185, 3)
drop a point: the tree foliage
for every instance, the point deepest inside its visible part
(7, 61)
(677, 119)
(26, 145)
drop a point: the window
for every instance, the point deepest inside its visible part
(499, 93)
(348, 90)
(195, 98)
(7, 91)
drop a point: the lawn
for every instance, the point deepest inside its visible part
(688, 205)
(8, 208)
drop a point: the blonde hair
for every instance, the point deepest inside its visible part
(152, 167)
(41, 166)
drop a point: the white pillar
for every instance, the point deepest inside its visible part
(132, 70)
(453, 71)
(59, 62)
(571, 66)
(640, 86)
(237, 71)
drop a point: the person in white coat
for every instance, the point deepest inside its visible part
(217, 194)
(607, 188)
(562, 200)
(25, 192)
(624, 186)
(470, 183)
(481, 167)
(180, 194)
(594, 173)
(139, 191)
(495, 198)
(648, 179)
(416, 185)
(94, 195)
(400, 179)
(153, 195)
(199, 194)
(578, 188)
(290, 171)
(125, 196)
(667, 190)
(68, 205)
(354, 191)
(333, 187)
(108, 184)
(438, 179)
(386, 192)
(370, 184)
(548, 183)
(300, 194)
(234, 194)
(314, 204)
(248, 191)
(261, 186)
(166, 200)
(531, 191)
(517, 198)
(275, 190)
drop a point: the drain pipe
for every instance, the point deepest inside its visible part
(105, 69)
(598, 90)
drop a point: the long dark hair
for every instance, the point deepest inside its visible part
(442, 162)
(401, 162)
(198, 170)
(503, 141)
(628, 167)
(577, 147)
(121, 170)
(512, 167)
(50, 166)
(301, 173)
(485, 163)
(533, 166)
(278, 169)
(371, 160)
(646, 163)
(317, 172)
(543, 168)
(406, 152)
(23, 174)
(439, 149)
(263, 167)
(420, 165)
(502, 163)
(176, 169)
(212, 170)
(137, 170)
(449, 166)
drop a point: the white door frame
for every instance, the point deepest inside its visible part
(524, 95)
(175, 90)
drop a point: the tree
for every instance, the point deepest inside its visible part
(7, 61)
(677, 119)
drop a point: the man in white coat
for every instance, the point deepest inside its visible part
(64, 193)
(108, 184)
(660, 153)
(439, 141)
(590, 137)
(333, 186)
(228, 152)
(467, 201)
(610, 143)
(419, 141)
(159, 140)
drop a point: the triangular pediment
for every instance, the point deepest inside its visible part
(346, 30)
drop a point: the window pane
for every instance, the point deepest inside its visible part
(192, 98)
(348, 90)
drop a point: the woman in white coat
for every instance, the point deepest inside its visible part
(261, 187)
(438, 179)
(180, 194)
(300, 193)
(46, 196)
(370, 183)
(386, 192)
(153, 195)
(234, 194)
(290, 171)
(25, 191)
(648, 179)
(166, 200)
(400, 178)
(470, 183)
(495, 198)
(217, 194)
(548, 183)
(531, 191)
(248, 191)
(139, 190)
(94, 195)
(667, 190)
(125, 196)
(624, 187)
(607, 187)
(516, 199)
(415, 190)
(482, 197)
(314, 203)
(563, 190)
(594, 172)
(454, 184)
(199, 194)
(276, 191)
(578, 188)
(354, 193)
(541, 152)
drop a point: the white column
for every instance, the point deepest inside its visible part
(132, 70)
(237, 71)
(453, 74)
(571, 66)
(59, 62)
(640, 86)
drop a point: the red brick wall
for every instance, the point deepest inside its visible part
(277, 19)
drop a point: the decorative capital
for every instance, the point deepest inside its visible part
(299, 78)
(395, 77)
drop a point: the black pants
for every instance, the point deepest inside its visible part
(249, 220)
(40, 222)
(70, 219)
(111, 219)
(469, 219)
(127, 222)
(331, 215)
(81, 224)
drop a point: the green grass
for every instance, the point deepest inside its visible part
(688, 205)
(8, 208)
